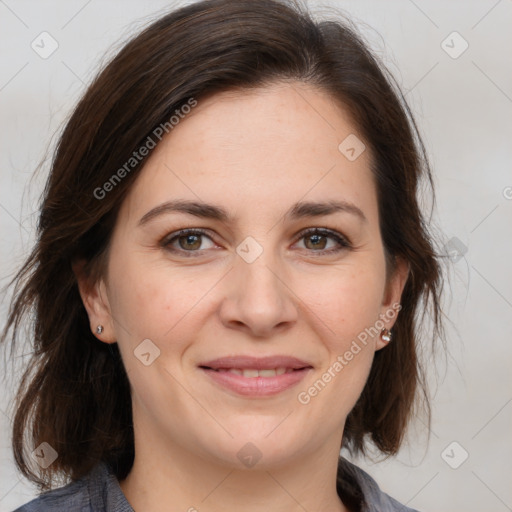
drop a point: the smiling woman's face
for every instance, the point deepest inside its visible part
(252, 283)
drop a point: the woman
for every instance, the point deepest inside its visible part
(230, 273)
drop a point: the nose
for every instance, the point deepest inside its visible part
(258, 300)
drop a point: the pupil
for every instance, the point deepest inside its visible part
(317, 239)
(189, 241)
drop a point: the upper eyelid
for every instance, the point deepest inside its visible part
(323, 231)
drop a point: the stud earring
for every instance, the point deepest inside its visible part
(386, 335)
(99, 329)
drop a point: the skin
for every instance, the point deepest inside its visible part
(255, 154)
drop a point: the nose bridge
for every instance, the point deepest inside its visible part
(256, 268)
(258, 296)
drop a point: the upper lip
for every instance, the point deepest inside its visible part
(257, 363)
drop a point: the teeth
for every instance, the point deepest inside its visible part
(267, 373)
(251, 373)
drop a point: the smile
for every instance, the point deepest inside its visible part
(253, 372)
(255, 376)
(255, 383)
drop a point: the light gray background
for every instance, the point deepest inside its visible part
(464, 109)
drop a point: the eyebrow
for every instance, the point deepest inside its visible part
(210, 211)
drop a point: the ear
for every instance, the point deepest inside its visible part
(95, 300)
(390, 306)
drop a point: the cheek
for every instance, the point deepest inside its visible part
(151, 300)
(148, 301)
(346, 300)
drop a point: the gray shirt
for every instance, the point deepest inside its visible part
(99, 491)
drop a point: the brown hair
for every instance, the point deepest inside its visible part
(75, 394)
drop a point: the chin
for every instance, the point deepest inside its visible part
(247, 450)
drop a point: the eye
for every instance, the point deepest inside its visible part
(317, 239)
(187, 240)
(191, 241)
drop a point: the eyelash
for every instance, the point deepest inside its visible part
(344, 242)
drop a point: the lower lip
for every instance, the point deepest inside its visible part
(257, 386)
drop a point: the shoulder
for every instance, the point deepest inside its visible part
(375, 500)
(72, 497)
(99, 491)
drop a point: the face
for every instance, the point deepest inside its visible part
(264, 272)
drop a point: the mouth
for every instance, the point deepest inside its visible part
(256, 377)
(251, 373)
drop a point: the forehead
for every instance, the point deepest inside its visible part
(284, 115)
(274, 144)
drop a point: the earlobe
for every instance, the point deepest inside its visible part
(95, 301)
(391, 304)
(385, 338)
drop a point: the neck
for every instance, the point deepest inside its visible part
(170, 476)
